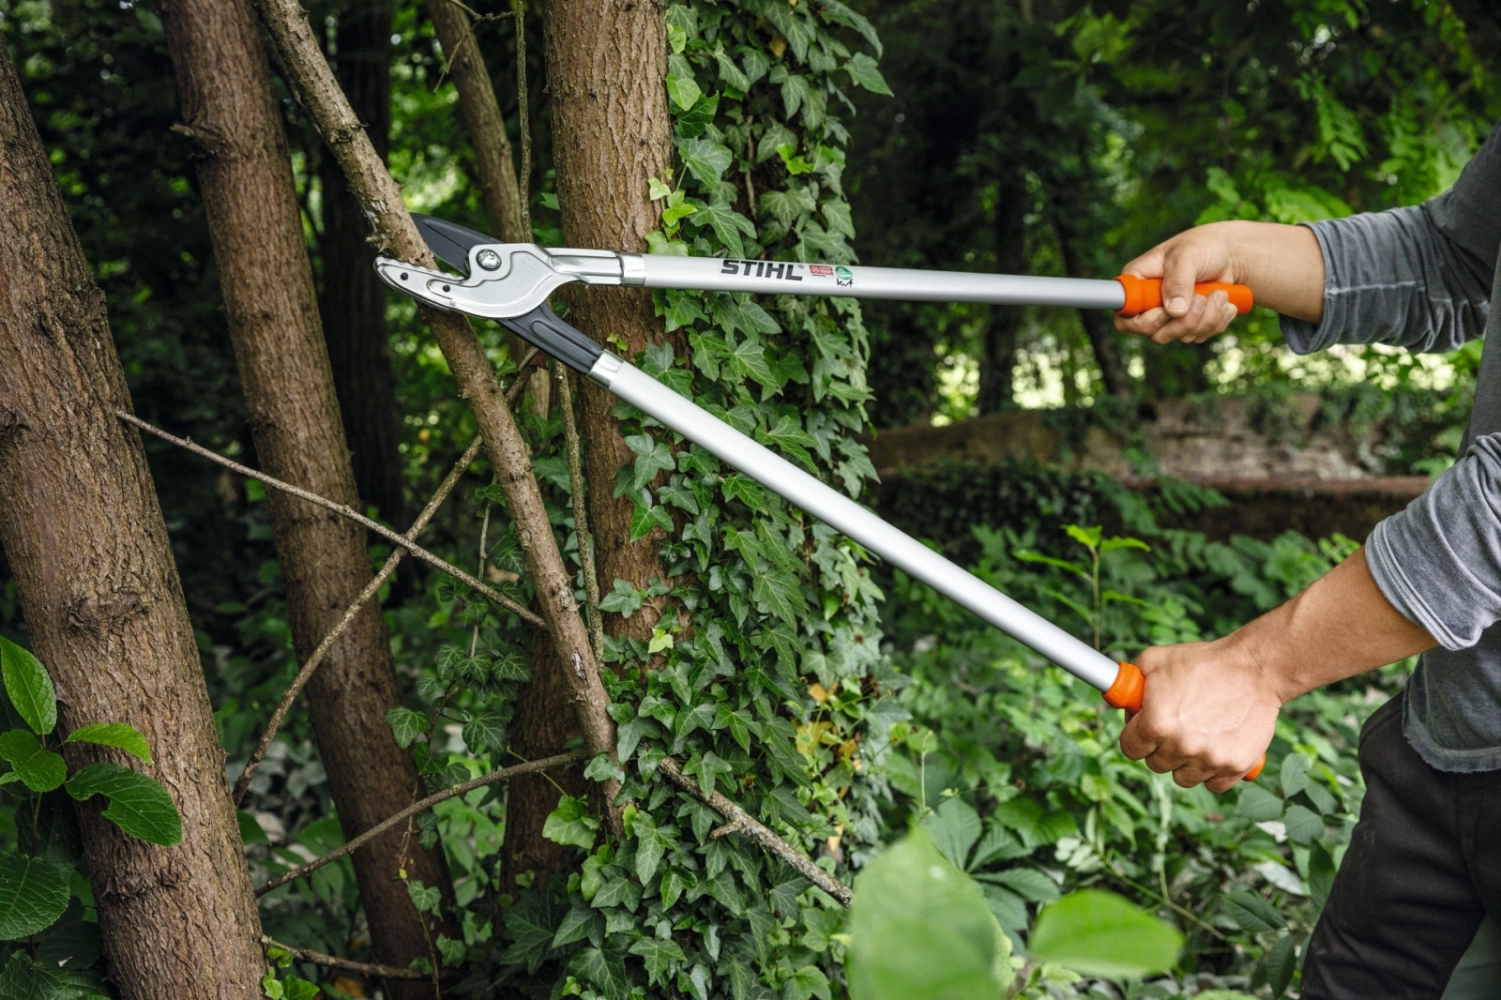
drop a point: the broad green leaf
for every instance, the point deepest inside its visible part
(837, 215)
(1097, 933)
(706, 159)
(862, 69)
(137, 804)
(571, 823)
(1257, 804)
(1252, 913)
(727, 224)
(1320, 873)
(1280, 962)
(113, 734)
(1303, 825)
(697, 119)
(486, 731)
(683, 90)
(954, 827)
(1006, 906)
(39, 769)
(425, 898)
(605, 971)
(33, 894)
(576, 924)
(659, 956)
(623, 599)
(406, 724)
(1294, 776)
(29, 687)
(779, 593)
(806, 983)
(1027, 882)
(920, 930)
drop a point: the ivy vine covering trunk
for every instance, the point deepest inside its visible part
(245, 174)
(84, 535)
(766, 686)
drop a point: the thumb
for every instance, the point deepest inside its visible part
(1179, 273)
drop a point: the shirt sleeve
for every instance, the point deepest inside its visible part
(1417, 277)
(1439, 561)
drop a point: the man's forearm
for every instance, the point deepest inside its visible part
(1283, 265)
(1341, 626)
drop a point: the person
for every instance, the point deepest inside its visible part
(1423, 868)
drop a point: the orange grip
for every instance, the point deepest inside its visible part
(1126, 693)
(1146, 293)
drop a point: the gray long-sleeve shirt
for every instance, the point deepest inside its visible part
(1423, 278)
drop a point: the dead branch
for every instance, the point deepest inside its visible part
(392, 561)
(524, 179)
(312, 83)
(436, 561)
(741, 821)
(349, 965)
(421, 806)
(580, 510)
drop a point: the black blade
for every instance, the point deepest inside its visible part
(449, 241)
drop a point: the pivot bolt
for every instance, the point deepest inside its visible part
(489, 260)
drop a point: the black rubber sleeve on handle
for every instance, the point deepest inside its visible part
(545, 331)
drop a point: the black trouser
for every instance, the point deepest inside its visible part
(1422, 870)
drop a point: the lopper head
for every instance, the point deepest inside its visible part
(501, 280)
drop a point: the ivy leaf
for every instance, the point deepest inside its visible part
(707, 766)
(696, 120)
(623, 599)
(749, 358)
(425, 898)
(576, 925)
(659, 956)
(33, 894)
(607, 972)
(652, 456)
(837, 215)
(779, 593)
(744, 489)
(730, 72)
(862, 69)
(137, 804)
(113, 734)
(28, 687)
(646, 519)
(406, 724)
(39, 769)
(1252, 913)
(487, 730)
(683, 90)
(628, 736)
(618, 891)
(727, 224)
(706, 159)
(806, 983)
(571, 823)
(651, 843)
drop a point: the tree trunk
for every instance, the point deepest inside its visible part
(487, 127)
(84, 535)
(353, 303)
(611, 132)
(998, 350)
(245, 174)
(1101, 334)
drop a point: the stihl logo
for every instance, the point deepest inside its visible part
(762, 269)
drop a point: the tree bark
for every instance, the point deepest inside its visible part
(611, 133)
(353, 303)
(245, 174)
(1101, 334)
(84, 535)
(998, 350)
(318, 92)
(487, 126)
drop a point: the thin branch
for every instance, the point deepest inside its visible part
(349, 965)
(524, 178)
(580, 511)
(741, 821)
(471, 19)
(343, 510)
(530, 767)
(242, 786)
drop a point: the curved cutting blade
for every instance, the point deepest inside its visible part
(449, 241)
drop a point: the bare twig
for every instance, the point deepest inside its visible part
(741, 821)
(392, 561)
(421, 806)
(436, 561)
(349, 965)
(524, 178)
(580, 510)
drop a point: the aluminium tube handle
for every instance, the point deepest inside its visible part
(1126, 693)
(1146, 293)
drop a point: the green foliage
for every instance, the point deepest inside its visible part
(1100, 934)
(28, 687)
(137, 804)
(920, 929)
(33, 894)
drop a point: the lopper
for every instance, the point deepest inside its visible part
(510, 283)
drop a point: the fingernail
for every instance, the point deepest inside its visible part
(1177, 306)
(1230, 312)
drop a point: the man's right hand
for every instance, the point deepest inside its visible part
(1283, 265)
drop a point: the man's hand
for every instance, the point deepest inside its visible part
(1209, 709)
(1283, 265)
(1208, 714)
